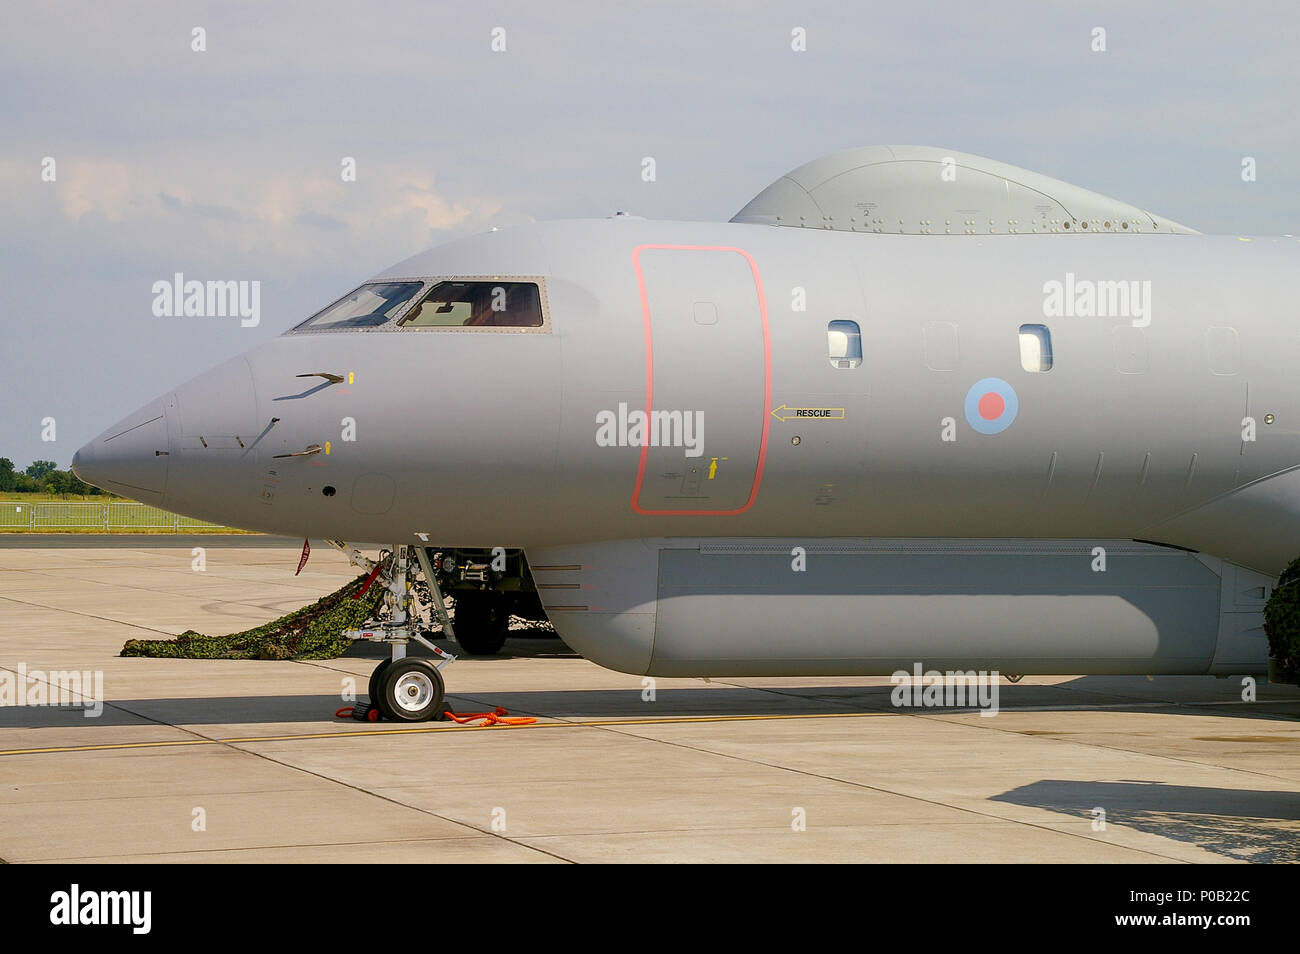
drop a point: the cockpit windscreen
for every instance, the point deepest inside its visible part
(370, 305)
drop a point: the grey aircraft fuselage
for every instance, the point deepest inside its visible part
(922, 538)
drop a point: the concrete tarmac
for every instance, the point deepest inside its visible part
(215, 760)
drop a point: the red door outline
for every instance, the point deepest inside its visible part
(650, 376)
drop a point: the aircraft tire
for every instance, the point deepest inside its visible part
(413, 691)
(376, 688)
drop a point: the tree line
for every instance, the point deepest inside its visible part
(43, 476)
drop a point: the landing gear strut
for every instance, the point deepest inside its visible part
(404, 689)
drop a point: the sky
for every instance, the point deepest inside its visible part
(225, 163)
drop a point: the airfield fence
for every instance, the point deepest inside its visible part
(105, 517)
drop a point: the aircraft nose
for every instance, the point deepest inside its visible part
(130, 458)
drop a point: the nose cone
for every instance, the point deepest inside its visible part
(130, 458)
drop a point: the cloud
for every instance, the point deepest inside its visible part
(320, 220)
(234, 215)
(102, 186)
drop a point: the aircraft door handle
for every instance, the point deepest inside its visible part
(311, 449)
(331, 378)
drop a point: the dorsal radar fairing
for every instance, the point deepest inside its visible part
(923, 190)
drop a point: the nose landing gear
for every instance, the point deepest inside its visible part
(403, 688)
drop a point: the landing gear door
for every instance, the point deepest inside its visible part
(708, 381)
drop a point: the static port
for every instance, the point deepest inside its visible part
(327, 490)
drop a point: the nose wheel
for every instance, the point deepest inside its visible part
(377, 681)
(410, 690)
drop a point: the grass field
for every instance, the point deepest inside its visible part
(91, 513)
(126, 531)
(37, 497)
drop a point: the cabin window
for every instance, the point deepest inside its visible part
(844, 342)
(478, 304)
(1035, 348)
(368, 306)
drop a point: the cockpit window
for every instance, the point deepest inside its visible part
(368, 306)
(478, 304)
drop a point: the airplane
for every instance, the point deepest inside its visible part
(909, 404)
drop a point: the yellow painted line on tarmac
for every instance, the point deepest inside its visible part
(419, 730)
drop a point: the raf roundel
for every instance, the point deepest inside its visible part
(991, 406)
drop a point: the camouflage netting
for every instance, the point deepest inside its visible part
(1282, 626)
(313, 632)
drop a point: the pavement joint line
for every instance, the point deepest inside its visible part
(967, 710)
(1124, 695)
(110, 619)
(296, 585)
(433, 842)
(421, 730)
(106, 619)
(891, 792)
(945, 716)
(1118, 748)
(561, 722)
(234, 746)
(613, 725)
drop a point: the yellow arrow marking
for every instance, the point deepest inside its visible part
(784, 413)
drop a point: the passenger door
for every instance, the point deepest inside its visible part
(708, 380)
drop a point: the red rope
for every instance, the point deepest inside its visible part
(497, 716)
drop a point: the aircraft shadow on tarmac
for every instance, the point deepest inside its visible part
(574, 704)
(1236, 823)
(724, 697)
(720, 698)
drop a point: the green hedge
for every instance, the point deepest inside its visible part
(1282, 626)
(313, 632)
